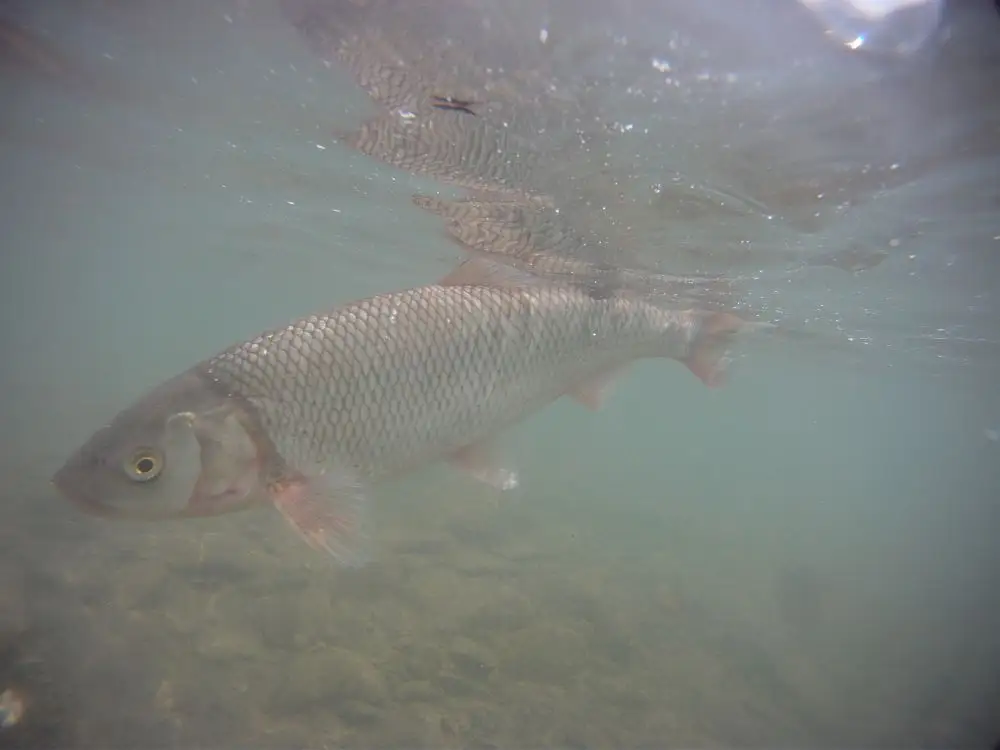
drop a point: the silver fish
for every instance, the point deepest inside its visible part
(439, 144)
(536, 240)
(306, 416)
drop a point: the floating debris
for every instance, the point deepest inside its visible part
(454, 104)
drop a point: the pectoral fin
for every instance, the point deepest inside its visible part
(328, 510)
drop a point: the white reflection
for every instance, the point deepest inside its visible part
(898, 27)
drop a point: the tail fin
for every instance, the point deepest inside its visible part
(709, 355)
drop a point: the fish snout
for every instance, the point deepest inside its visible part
(71, 481)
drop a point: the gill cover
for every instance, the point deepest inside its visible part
(160, 477)
(230, 467)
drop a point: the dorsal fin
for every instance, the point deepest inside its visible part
(479, 271)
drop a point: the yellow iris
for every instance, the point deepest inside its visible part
(144, 465)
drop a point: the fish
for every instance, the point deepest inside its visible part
(495, 149)
(853, 259)
(305, 418)
(535, 239)
(482, 158)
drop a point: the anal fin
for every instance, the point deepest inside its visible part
(328, 511)
(478, 461)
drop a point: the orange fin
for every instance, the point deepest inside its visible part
(594, 392)
(478, 461)
(329, 515)
(709, 356)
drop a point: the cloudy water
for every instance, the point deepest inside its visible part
(803, 557)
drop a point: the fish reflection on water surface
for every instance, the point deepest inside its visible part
(304, 417)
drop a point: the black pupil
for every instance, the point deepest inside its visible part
(144, 465)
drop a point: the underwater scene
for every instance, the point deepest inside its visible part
(478, 374)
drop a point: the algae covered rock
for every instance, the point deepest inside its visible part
(415, 691)
(297, 619)
(472, 660)
(545, 653)
(332, 678)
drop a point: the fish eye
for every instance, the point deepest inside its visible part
(144, 465)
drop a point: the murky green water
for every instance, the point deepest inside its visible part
(803, 558)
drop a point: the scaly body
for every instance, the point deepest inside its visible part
(305, 416)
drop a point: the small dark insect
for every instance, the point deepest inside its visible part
(457, 105)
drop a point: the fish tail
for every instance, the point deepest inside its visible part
(708, 357)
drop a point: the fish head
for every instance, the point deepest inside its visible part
(181, 450)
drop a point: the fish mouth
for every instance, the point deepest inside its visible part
(68, 483)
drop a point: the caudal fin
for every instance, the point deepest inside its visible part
(709, 356)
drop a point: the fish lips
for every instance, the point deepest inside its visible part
(70, 482)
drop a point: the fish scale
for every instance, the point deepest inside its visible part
(478, 156)
(535, 239)
(305, 416)
(391, 381)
